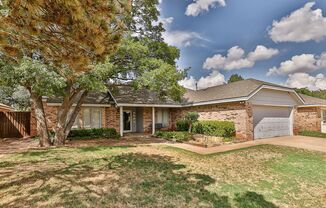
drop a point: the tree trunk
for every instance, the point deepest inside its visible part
(72, 117)
(42, 127)
(67, 115)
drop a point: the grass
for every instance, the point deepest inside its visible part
(313, 134)
(160, 176)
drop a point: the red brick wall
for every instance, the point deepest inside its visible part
(239, 113)
(113, 118)
(110, 118)
(147, 120)
(308, 118)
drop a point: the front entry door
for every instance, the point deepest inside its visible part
(127, 121)
(323, 122)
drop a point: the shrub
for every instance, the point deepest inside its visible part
(191, 117)
(182, 125)
(179, 136)
(94, 133)
(312, 134)
(215, 128)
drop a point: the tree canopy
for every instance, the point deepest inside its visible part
(143, 22)
(65, 33)
(318, 94)
(235, 78)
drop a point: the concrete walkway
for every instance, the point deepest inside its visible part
(309, 143)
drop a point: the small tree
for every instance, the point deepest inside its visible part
(235, 78)
(191, 118)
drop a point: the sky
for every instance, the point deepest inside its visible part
(279, 41)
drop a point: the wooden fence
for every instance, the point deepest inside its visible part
(15, 124)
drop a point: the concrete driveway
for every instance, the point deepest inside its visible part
(309, 143)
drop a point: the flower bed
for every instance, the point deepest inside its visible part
(210, 141)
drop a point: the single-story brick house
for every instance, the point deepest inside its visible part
(258, 109)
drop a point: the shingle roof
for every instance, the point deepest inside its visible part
(127, 94)
(313, 100)
(227, 91)
(92, 98)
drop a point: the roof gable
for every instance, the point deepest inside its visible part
(240, 89)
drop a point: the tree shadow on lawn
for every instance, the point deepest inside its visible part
(127, 180)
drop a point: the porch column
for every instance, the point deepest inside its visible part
(153, 120)
(121, 121)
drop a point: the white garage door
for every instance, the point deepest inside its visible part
(271, 121)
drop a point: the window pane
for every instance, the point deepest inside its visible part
(87, 118)
(96, 118)
(166, 118)
(159, 116)
(324, 115)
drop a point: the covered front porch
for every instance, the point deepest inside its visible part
(142, 119)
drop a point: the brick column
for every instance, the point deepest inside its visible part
(249, 122)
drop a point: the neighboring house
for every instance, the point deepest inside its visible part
(311, 116)
(258, 109)
(5, 108)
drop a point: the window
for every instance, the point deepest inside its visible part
(324, 116)
(87, 118)
(92, 118)
(76, 124)
(162, 117)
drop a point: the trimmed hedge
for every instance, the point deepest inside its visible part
(179, 136)
(109, 133)
(224, 129)
(312, 134)
(182, 125)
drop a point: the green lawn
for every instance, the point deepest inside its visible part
(160, 176)
(313, 134)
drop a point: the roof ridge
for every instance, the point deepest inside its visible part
(225, 84)
(312, 96)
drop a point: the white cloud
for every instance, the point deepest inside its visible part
(237, 59)
(302, 25)
(300, 63)
(178, 38)
(165, 20)
(304, 80)
(262, 53)
(182, 38)
(200, 6)
(189, 83)
(214, 79)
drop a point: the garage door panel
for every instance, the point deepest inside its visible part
(271, 121)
